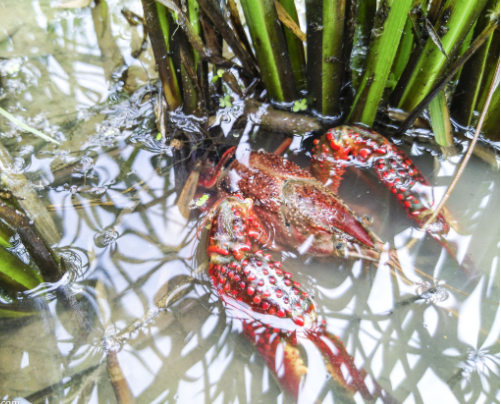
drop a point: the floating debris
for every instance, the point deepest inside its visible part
(432, 293)
(106, 237)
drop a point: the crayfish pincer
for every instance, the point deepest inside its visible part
(276, 312)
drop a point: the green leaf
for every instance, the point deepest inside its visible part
(300, 105)
(440, 120)
(159, 136)
(202, 200)
(227, 101)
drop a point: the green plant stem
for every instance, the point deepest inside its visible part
(325, 67)
(490, 129)
(270, 49)
(194, 18)
(457, 16)
(489, 71)
(366, 12)
(185, 64)
(6, 232)
(493, 86)
(157, 23)
(441, 120)
(472, 83)
(477, 43)
(389, 27)
(295, 46)
(201, 68)
(404, 51)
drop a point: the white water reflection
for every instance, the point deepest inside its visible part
(470, 316)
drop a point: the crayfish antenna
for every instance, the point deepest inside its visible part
(376, 255)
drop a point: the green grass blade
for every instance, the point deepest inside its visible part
(404, 52)
(441, 120)
(157, 23)
(473, 86)
(470, 85)
(325, 67)
(454, 22)
(270, 49)
(27, 128)
(366, 12)
(295, 46)
(490, 129)
(389, 26)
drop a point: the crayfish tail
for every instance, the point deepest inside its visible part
(280, 354)
(341, 366)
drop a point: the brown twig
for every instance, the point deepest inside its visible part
(120, 386)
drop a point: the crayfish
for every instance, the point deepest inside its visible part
(268, 201)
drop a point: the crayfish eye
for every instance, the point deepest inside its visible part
(367, 220)
(339, 245)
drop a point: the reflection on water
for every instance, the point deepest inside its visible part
(113, 190)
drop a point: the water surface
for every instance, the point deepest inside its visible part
(113, 189)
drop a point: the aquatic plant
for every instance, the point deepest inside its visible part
(362, 57)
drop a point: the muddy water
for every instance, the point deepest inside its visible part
(113, 190)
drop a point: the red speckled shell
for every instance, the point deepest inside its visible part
(290, 217)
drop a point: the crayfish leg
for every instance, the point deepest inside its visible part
(362, 148)
(346, 146)
(285, 360)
